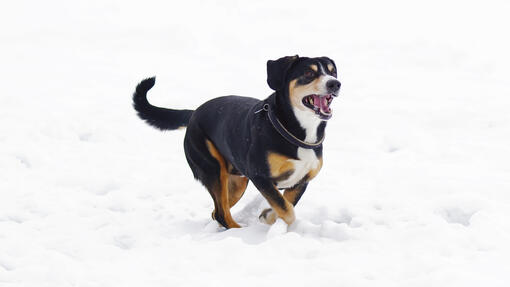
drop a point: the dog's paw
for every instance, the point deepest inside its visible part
(268, 216)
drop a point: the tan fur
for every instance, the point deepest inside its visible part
(290, 194)
(269, 216)
(222, 191)
(330, 67)
(314, 67)
(236, 188)
(297, 92)
(288, 214)
(279, 164)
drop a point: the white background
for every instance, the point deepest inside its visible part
(415, 185)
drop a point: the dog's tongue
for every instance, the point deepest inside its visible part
(321, 103)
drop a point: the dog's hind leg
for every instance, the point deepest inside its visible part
(220, 189)
(236, 188)
(209, 167)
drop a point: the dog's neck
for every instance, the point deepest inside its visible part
(305, 126)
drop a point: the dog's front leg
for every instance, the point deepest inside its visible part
(292, 195)
(280, 206)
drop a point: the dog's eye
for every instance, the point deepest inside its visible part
(309, 74)
(333, 73)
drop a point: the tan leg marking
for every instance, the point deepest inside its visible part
(269, 216)
(222, 190)
(236, 187)
(286, 212)
(290, 194)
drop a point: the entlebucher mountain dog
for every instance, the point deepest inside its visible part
(276, 143)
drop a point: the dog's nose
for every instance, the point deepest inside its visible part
(333, 86)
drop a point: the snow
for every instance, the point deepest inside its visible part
(415, 187)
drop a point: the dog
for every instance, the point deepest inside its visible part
(275, 143)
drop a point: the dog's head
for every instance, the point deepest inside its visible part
(309, 83)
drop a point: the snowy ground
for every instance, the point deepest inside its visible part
(415, 188)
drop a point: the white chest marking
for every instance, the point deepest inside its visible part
(307, 160)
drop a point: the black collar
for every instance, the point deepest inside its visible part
(282, 130)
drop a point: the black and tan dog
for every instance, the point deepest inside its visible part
(276, 143)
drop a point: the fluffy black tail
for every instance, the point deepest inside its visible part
(161, 118)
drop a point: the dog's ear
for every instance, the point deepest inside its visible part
(276, 71)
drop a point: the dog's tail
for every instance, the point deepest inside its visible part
(160, 118)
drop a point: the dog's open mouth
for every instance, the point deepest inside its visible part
(319, 104)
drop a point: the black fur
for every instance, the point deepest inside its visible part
(276, 71)
(240, 132)
(161, 118)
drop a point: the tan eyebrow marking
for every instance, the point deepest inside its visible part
(330, 67)
(314, 67)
